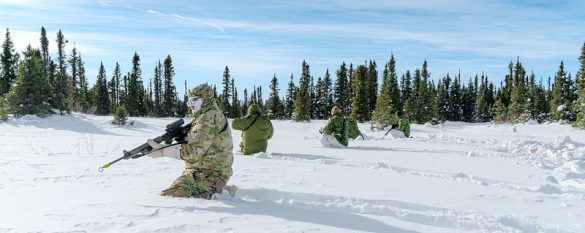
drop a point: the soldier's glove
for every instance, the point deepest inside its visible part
(321, 130)
(159, 150)
(394, 126)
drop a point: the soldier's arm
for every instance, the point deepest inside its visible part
(241, 123)
(202, 136)
(271, 131)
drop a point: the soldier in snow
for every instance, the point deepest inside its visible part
(256, 130)
(208, 152)
(335, 132)
(401, 128)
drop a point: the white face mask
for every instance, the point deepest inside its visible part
(194, 104)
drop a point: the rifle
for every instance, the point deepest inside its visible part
(174, 131)
(391, 127)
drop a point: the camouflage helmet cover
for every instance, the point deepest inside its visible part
(202, 91)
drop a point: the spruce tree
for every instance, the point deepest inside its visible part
(444, 99)
(273, 105)
(580, 102)
(312, 98)
(415, 100)
(45, 53)
(291, 93)
(246, 102)
(84, 94)
(482, 111)
(341, 91)
(73, 88)
(518, 110)
(359, 108)
(158, 91)
(394, 90)
(559, 101)
(62, 99)
(31, 91)
(383, 115)
(169, 94)
(236, 105)
(8, 64)
(327, 94)
(371, 88)
(134, 99)
(319, 104)
(224, 98)
(302, 104)
(406, 93)
(259, 98)
(102, 99)
(500, 111)
(425, 96)
(455, 103)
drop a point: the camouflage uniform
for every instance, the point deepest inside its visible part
(208, 153)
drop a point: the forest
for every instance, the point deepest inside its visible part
(32, 82)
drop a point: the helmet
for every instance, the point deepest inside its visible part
(202, 91)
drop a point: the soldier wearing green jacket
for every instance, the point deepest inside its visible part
(256, 130)
(208, 152)
(403, 124)
(337, 126)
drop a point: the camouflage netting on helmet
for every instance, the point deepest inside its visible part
(202, 90)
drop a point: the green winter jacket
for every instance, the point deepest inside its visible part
(255, 134)
(404, 126)
(352, 129)
(337, 126)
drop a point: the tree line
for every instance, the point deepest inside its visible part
(37, 84)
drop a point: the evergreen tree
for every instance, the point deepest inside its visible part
(455, 108)
(580, 102)
(415, 100)
(406, 93)
(273, 105)
(73, 88)
(259, 99)
(468, 100)
(169, 94)
(158, 92)
(135, 93)
(386, 104)
(226, 93)
(359, 108)
(246, 102)
(313, 99)
(444, 99)
(8, 64)
(394, 90)
(560, 106)
(500, 111)
(121, 116)
(102, 99)
(371, 88)
(236, 105)
(518, 110)
(482, 111)
(291, 93)
(303, 99)
(350, 90)
(45, 53)
(62, 99)
(3, 115)
(341, 92)
(425, 96)
(327, 97)
(32, 90)
(84, 94)
(114, 86)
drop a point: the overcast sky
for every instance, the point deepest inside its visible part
(258, 39)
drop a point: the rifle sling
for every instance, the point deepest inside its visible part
(253, 121)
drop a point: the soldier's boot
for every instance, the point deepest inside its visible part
(175, 193)
(231, 189)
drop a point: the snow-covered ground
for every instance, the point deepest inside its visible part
(453, 178)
